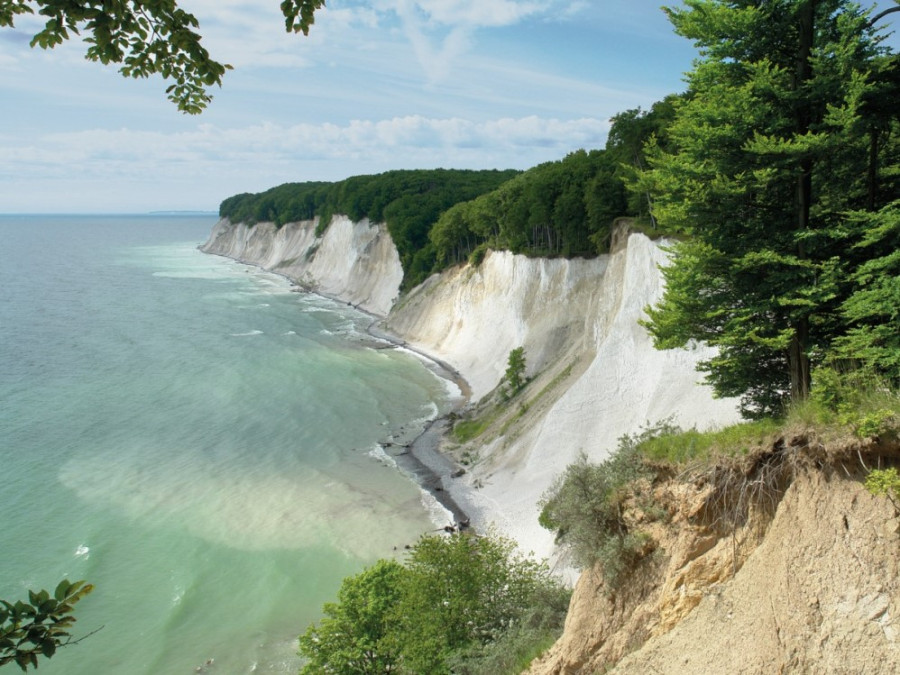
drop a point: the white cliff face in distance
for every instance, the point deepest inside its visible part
(582, 313)
(354, 262)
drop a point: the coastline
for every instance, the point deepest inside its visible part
(420, 459)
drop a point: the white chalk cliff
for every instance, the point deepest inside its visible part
(353, 262)
(577, 319)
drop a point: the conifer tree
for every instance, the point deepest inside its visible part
(769, 153)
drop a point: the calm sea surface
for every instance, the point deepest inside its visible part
(194, 439)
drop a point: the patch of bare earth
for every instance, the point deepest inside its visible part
(778, 563)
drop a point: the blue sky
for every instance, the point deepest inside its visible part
(379, 85)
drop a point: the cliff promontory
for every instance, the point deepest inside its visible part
(354, 262)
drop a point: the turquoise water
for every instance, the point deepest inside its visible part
(193, 438)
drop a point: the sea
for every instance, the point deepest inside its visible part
(195, 438)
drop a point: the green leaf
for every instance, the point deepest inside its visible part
(62, 589)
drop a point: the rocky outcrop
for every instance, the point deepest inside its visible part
(353, 262)
(812, 587)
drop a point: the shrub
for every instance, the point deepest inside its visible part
(356, 634)
(856, 398)
(454, 596)
(585, 507)
(525, 640)
(885, 482)
(477, 254)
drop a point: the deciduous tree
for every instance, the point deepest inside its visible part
(146, 37)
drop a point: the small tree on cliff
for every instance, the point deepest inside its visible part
(515, 372)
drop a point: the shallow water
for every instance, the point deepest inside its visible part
(194, 439)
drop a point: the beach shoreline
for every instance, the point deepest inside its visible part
(421, 458)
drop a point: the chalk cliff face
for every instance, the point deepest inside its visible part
(578, 313)
(472, 317)
(577, 319)
(353, 262)
(810, 587)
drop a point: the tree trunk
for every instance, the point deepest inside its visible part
(798, 357)
(872, 178)
(798, 362)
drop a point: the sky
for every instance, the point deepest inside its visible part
(378, 85)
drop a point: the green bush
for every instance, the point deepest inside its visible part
(885, 482)
(477, 255)
(585, 507)
(356, 635)
(453, 597)
(856, 398)
(531, 636)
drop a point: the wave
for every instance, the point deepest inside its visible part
(377, 452)
(248, 333)
(437, 512)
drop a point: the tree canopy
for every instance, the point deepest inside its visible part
(408, 201)
(779, 140)
(146, 37)
(453, 594)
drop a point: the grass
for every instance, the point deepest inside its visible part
(681, 447)
(465, 430)
(856, 403)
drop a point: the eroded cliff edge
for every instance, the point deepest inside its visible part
(802, 577)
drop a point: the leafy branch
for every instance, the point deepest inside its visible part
(40, 626)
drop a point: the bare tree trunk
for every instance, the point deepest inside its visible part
(798, 362)
(798, 353)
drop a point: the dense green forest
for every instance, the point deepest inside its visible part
(441, 217)
(781, 177)
(409, 202)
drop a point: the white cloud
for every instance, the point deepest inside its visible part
(206, 164)
(473, 13)
(372, 139)
(441, 31)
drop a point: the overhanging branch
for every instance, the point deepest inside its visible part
(878, 17)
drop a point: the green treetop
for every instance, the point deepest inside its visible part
(146, 37)
(767, 154)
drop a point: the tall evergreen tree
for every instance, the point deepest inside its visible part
(768, 153)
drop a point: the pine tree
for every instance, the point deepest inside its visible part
(769, 153)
